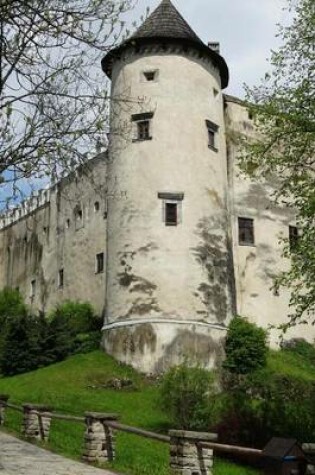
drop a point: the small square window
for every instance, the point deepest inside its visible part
(99, 263)
(293, 237)
(60, 278)
(212, 135)
(246, 231)
(150, 75)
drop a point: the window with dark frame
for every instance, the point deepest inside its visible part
(172, 207)
(171, 214)
(212, 134)
(142, 129)
(293, 237)
(60, 278)
(246, 231)
(99, 263)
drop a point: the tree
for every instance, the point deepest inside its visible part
(53, 100)
(284, 110)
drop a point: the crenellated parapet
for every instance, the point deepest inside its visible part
(37, 200)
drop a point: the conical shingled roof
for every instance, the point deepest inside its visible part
(166, 22)
(166, 25)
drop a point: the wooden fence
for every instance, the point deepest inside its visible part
(191, 453)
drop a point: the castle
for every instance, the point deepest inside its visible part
(162, 233)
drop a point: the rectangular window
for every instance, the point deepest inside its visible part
(60, 278)
(171, 214)
(246, 231)
(293, 237)
(212, 135)
(172, 208)
(142, 126)
(143, 130)
(99, 263)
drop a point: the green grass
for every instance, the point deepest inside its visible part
(291, 364)
(67, 387)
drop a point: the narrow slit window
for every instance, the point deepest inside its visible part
(60, 278)
(96, 206)
(99, 263)
(246, 231)
(33, 288)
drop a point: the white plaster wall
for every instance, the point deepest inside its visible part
(154, 270)
(41, 244)
(256, 266)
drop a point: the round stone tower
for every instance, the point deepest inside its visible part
(168, 294)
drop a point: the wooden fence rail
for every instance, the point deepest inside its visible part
(191, 453)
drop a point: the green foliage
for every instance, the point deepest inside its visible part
(22, 348)
(264, 404)
(80, 316)
(246, 347)
(11, 304)
(190, 397)
(74, 328)
(304, 349)
(67, 388)
(28, 341)
(284, 110)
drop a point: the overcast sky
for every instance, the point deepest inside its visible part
(246, 30)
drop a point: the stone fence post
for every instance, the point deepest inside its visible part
(309, 450)
(36, 421)
(99, 438)
(3, 402)
(186, 457)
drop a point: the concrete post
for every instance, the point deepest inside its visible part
(186, 458)
(36, 421)
(99, 438)
(309, 450)
(3, 401)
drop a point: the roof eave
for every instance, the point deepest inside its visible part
(115, 54)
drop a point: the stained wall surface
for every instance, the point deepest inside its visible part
(60, 231)
(256, 265)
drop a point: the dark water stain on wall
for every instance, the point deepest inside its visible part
(212, 255)
(193, 348)
(130, 340)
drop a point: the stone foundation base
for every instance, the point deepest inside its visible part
(154, 346)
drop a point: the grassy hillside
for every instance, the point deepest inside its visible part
(75, 386)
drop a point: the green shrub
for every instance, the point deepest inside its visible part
(190, 398)
(246, 347)
(11, 304)
(264, 404)
(22, 348)
(79, 316)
